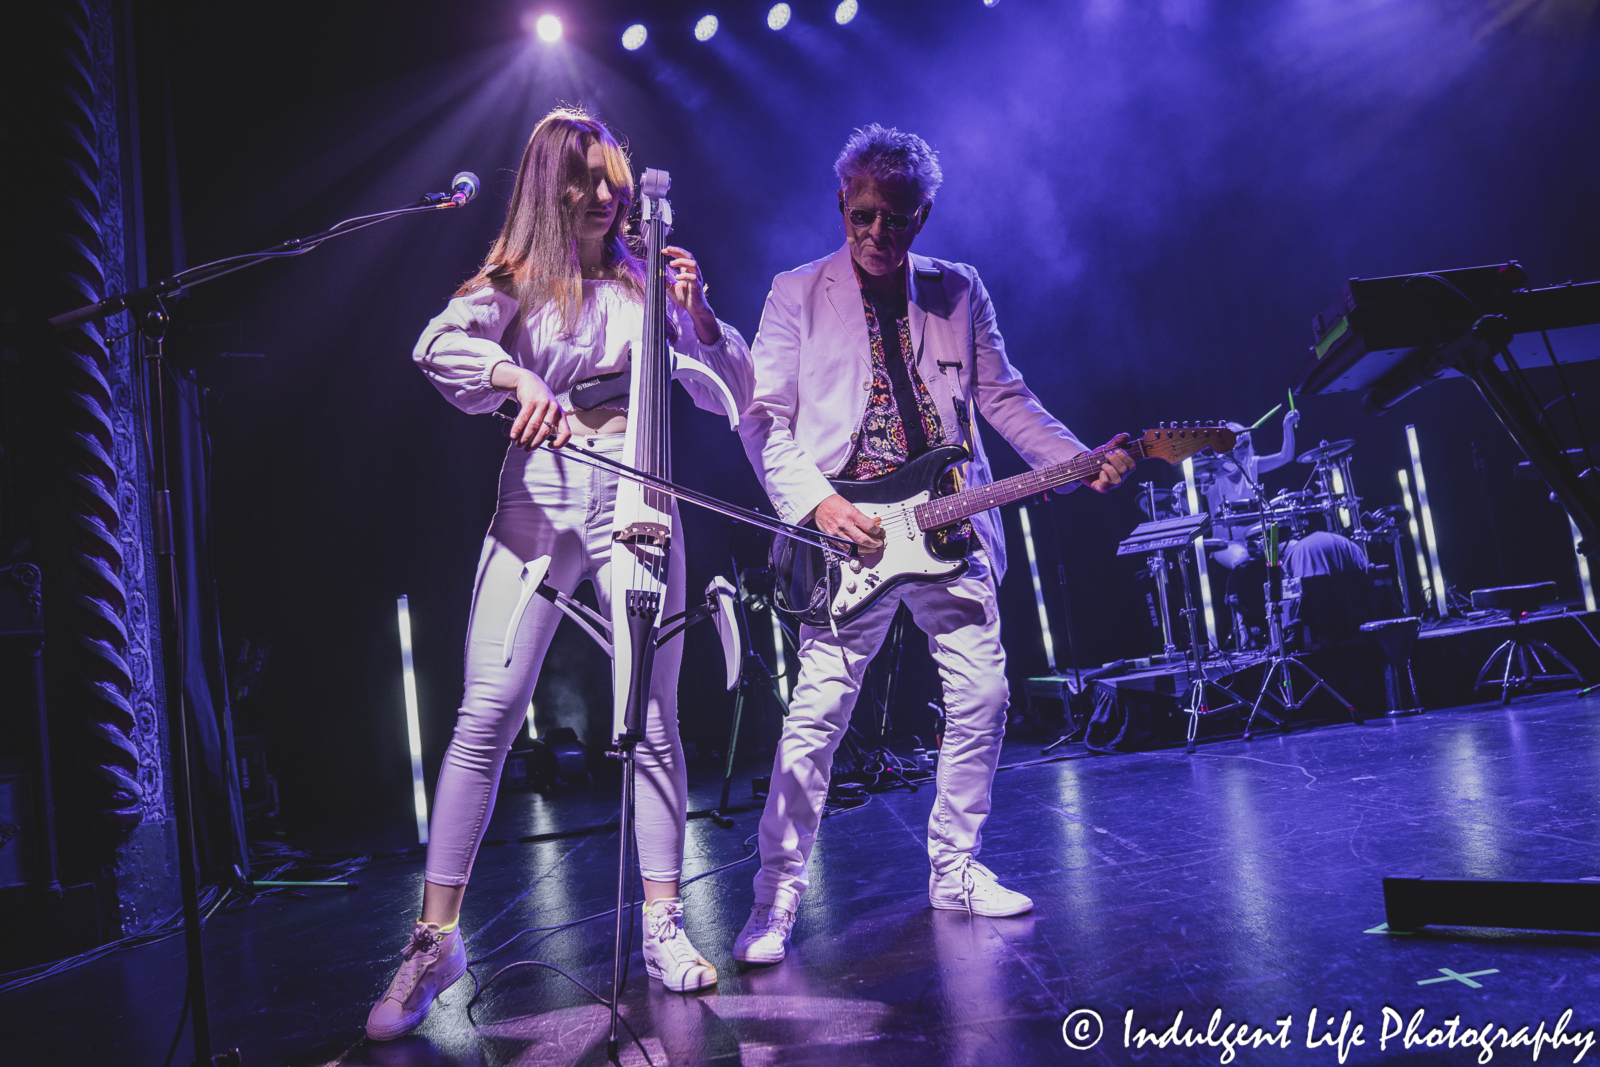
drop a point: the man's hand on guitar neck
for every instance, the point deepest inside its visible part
(1116, 464)
(837, 516)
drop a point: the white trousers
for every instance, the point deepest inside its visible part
(962, 621)
(560, 508)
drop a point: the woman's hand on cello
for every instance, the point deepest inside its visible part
(688, 291)
(539, 417)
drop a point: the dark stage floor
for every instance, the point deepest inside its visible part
(1244, 878)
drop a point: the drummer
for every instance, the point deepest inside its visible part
(1234, 481)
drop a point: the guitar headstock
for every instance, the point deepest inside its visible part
(1177, 443)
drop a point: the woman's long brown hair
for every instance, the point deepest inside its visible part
(535, 258)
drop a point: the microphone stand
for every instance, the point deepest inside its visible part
(151, 318)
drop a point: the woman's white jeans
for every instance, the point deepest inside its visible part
(962, 621)
(560, 508)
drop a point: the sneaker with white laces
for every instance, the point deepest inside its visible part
(971, 887)
(433, 960)
(765, 937)
(668, 956)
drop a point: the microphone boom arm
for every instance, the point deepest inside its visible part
(205, 272)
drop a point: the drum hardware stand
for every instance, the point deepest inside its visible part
(1195, 704)
(1281, 664)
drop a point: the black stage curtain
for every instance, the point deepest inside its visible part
(218, 815)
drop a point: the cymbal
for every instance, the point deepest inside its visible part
(1204, 464)
(1326, 451)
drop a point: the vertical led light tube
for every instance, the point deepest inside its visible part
(533, 731)
(413, 724)
(1338, 489)
(1416, 536)
(780, 665)
(1200, 556)
(1441, 605)
(1584, 578)
(1038, 591)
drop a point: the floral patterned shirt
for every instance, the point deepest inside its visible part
(885, 441)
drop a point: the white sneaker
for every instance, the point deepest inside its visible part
(765, 937)
(433, 962)
(971, 887)
(668, 956)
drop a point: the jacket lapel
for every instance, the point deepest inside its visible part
(844, 293)
(927, 295)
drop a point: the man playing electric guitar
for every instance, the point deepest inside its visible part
(864, 361)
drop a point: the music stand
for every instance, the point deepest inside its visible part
(1156, 538)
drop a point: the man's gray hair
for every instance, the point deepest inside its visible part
(889, 156)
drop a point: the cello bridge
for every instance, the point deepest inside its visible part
(644, 533)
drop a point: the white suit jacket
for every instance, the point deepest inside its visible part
(813, 378)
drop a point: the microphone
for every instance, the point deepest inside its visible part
(463, 187)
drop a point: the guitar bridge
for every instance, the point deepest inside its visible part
(644, 533)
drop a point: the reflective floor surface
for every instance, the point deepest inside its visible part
(1244, 880)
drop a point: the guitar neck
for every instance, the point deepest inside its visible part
(944, 510)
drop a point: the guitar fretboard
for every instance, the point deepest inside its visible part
(957, 506)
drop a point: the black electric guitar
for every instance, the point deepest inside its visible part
(822, 587)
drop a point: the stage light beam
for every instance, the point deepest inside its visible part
(408, 677)
(778, 17)
(634, 37)
(548, 28)
(706, 28)
(1038, 591)
(1440, 602)
(1200, 556)
(847, 10)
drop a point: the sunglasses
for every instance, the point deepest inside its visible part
(892, 220)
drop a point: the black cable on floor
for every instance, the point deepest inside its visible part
(183, 1017)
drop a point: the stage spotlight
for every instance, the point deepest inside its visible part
(548, 28)
(706, 28)
(634, 37)
(990, 3)
(846, 11)
(778, 17)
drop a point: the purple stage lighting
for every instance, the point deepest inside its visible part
(634, 37)
(548, 27)
(778, 17)
(846, 11)
(706, 28)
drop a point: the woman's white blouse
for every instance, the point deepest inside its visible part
(459, 349)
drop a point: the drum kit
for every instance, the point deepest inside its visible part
(1329, 500)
